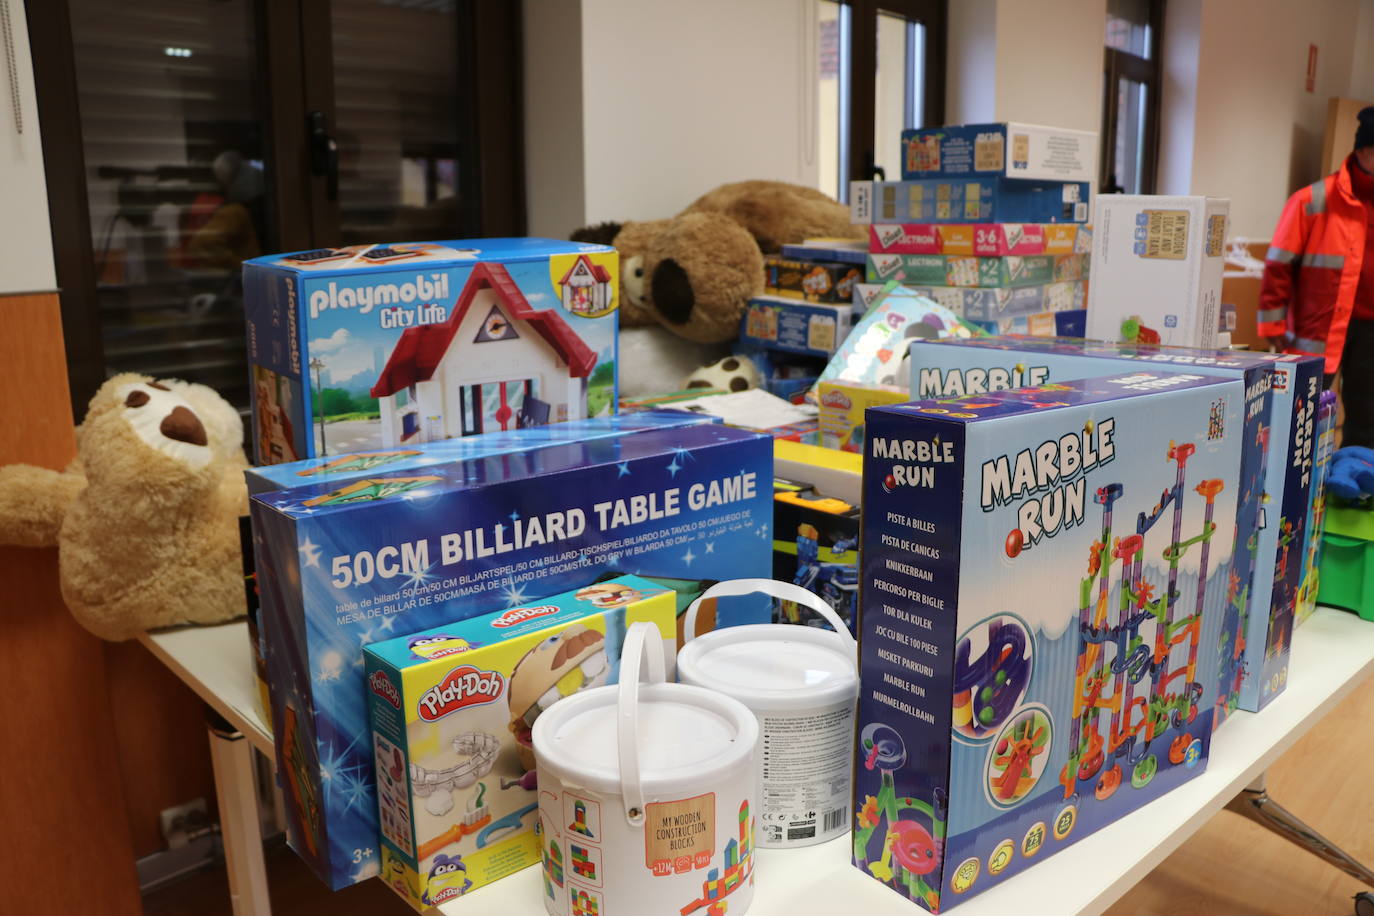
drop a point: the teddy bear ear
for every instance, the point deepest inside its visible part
(600, 234)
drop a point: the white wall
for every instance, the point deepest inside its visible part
(675, 99)
(1049, 62)
(680, 97)
(26, 263)
(1362, 66)
(1256, 133)
(555, 158)
(971, 62)
(1040, 62)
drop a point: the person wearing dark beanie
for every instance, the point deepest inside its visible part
(1317, 297)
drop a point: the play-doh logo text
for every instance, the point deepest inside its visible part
(1048, 480)
(381, 685)
(431, 289)
(462, 687)
(521, 614)
(837, 399)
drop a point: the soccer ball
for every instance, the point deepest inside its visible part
(733, 373)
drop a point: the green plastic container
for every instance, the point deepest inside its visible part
(1347, 563)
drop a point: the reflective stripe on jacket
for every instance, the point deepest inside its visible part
(1312, 269)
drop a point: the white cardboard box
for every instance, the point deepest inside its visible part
(1157, 264)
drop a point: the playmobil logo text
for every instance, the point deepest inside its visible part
(381, 685)
(521, 614)
(462, 687)
(432, 288)
(954, 383)
(1054, 471)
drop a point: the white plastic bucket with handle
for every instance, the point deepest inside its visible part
(802, 684)
(647, 795)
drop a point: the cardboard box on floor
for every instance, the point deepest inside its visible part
(1243, 293)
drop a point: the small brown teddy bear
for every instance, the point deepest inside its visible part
(694, 273)
(146, 518)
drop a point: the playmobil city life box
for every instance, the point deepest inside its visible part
(1157, 264)
(345, 563)
(1277, 469)
(1044, 572)
(452, 710)
(383, 346)
(1005, 150)
(959, 200)
(984, 239)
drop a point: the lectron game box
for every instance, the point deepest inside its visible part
(1281, 395)
(383, 346)
(342, 564)
(1044, 575)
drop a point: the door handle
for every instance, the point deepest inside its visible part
(872, 170)
(324, 154)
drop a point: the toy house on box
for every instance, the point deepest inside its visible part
(495, 364)
(587, 287)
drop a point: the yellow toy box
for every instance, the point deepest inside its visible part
(452, 713)
(842, 406)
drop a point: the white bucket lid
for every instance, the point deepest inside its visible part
(772, 667)
(648, 740)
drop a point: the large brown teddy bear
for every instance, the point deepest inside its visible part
(146, 518)
(694, 273)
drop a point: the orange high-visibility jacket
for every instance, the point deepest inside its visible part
(1312, 269)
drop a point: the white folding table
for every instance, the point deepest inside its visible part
(1332, 654)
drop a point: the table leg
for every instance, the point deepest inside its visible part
(241, 830)
(1254, 803)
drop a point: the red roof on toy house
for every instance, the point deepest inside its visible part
(420, 350)
(601, 274)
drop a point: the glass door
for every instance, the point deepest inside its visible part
(170, 99)
(207, 132)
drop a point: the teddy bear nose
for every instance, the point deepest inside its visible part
(672, 291)
(182, 425)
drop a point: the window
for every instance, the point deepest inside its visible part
(880, 68)
(1130, 103)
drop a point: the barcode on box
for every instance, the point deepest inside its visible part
(833, 819)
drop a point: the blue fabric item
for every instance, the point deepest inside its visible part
(1352, 473)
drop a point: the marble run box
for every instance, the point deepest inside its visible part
(975, 270)
(1043, 580)
(1158, 263)
(1281, 399)
(1007, 150)
(384, 346)
(805, 328)
(452, 708)
(985, 239)
(958, 200)
(344, 563)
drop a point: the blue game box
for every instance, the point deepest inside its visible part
(1044, 576)
(387, 346)
(1282, 393)
(348, 561)
(973, 200)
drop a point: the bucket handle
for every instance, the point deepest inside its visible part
(786, 591)
(643, 644)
